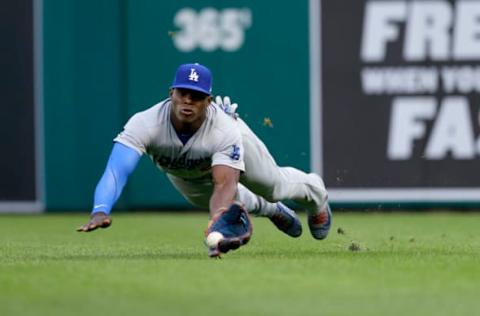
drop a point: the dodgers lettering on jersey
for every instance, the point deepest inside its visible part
(217, 142)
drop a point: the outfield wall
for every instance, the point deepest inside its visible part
(104, 64)
(399, 101)
(380, 97)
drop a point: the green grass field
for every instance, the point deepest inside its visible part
(156, 264)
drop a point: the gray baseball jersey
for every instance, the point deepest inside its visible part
(217, 142)
(221, 140)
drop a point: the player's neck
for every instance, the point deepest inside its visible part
(186, 127)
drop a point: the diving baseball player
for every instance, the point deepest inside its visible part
(215, 161)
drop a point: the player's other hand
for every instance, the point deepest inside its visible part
(97, 220)
(227, 105)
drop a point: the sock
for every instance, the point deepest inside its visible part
(267, 209)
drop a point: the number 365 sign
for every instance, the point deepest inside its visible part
(210, 29)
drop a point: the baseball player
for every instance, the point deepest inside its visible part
(215, 161)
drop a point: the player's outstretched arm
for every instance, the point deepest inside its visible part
(225, 181)
(226, 216)
(121, 164)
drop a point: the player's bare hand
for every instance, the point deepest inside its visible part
(227, 106)
(97, 220)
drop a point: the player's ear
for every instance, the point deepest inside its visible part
(209, 99)
(170, 92)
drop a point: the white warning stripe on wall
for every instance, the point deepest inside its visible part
(315, 76)
(412, 195)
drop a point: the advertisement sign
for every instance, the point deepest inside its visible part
(397, 99)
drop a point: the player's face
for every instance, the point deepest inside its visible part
(189, 106)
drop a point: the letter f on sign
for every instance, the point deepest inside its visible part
(378, 28)
(407, 123)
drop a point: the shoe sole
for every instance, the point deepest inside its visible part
(296, 223)
(329, 226)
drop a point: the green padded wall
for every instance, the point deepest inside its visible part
(82, 96)
(266, 73)
(105, 60)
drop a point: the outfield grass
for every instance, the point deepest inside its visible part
(156, 264)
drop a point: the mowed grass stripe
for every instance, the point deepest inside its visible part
(156, 264)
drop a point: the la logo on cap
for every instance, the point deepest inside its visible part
(193, 75)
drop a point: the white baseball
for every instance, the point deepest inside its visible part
(213, 239)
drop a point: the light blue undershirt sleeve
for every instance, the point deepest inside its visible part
(121, 163)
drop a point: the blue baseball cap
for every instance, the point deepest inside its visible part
(194, 77)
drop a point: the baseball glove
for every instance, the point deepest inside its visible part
(234, 224)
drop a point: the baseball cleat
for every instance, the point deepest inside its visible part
(286, 220)
(320, 223)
